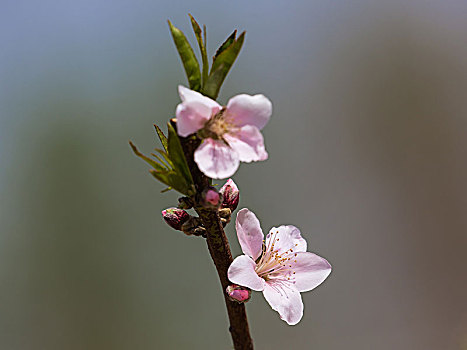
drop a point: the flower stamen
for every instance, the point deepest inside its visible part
(218, 125)
(272, 265)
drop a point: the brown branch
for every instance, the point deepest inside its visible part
(219, 249)
(220, 254)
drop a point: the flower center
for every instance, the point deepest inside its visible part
(273, 265)
(217, 126)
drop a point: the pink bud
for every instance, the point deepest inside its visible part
(211, 198)
(175, 217)
(231, 195)
(238, 293)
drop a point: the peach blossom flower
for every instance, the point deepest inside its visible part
(230, 134)
(280, 266)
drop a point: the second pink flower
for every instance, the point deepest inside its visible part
(230, 134)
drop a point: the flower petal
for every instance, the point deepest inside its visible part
(250, 110)
(310, 271)
(187, 95)
(191, 117)
(286, 237)
(216, 160)
(248, 142)
(242, 272)
(287, 301)
(249, 233)
(194, 111)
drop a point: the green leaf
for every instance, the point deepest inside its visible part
(221, 66)
(229, 51)
(189, 61)
(229, 41)
(148, 160)
(162, 137)
(161, 160)
(162, 176)
(171, 176)
(204, 35)
(172, 180)
(178, 183)
(165, 157)
(177, 156)
(202, 48)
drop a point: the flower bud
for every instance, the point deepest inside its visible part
(175, 217)
(211, 197)
(231, 195)
(238, 293)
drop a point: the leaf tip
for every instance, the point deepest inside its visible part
(172, 28)
(133, 147)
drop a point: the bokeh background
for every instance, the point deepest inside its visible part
(368, 157)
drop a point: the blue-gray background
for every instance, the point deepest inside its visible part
(367, 152)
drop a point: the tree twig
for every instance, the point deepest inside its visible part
(219, 249)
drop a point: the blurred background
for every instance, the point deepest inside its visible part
(368, 157)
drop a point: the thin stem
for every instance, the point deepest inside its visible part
(219, 249)
(220, 254)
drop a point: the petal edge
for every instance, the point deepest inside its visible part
(310, 271)
(286, 301)
(250, 110)
(242, 272)
(248, 142)
(249, 233)
(216, 160)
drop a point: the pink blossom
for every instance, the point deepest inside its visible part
(280, 266)
(230, 134)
